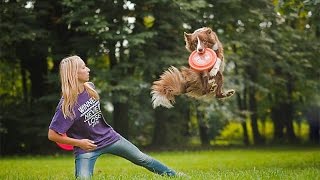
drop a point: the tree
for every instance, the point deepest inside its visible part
(19, 31)
(291, 76)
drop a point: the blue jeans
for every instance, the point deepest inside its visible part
(85, 162)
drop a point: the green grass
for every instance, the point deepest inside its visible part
(251, 163)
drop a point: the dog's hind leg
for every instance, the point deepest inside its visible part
(206, 86)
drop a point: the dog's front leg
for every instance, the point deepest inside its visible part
(219, 91)
(216, 67)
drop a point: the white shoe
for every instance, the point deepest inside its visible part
(182, 175)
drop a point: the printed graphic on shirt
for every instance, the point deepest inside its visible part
(91, 112)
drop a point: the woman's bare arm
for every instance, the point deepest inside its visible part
(84, 144)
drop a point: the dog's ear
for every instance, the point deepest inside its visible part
(187, 37)
(208, 30)
(218, 45)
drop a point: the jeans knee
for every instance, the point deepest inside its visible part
(84, 165)
(83, 174)
(143, 159)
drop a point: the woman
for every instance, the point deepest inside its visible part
(78, 114)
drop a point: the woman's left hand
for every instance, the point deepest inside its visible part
(87, 145)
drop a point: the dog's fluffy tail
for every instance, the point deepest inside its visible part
(170, 84)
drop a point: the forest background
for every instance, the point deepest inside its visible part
(272, 51)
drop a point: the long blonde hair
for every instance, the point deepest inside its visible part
(70, 85)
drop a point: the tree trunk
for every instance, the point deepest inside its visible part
(277, 116)
(121, 109)
(245, 133)
(253, 76)
(160, 131)
(203, 129)
(313, 118)
(290, 110)
(121, 119)
(257, 139)
(242, 105)
(24, 82)
(289, 123)
(38, 71)
(33, 59)
(314, 135)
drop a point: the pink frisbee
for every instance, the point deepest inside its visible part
(202, 61)
(66, 147)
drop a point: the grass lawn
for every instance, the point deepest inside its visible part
(234, 163)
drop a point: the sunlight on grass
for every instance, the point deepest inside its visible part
(271, 163)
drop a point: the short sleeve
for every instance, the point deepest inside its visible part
(59, 123)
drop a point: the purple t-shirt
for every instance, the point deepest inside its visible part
(88, 123)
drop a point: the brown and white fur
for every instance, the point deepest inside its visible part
(174, 82)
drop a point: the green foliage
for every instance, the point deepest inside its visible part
(11, 83)
(17, 24)
(232, 132)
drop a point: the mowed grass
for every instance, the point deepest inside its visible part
(249, 163)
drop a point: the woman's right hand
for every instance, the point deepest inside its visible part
(87, 145)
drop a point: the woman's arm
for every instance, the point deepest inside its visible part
(84, 144)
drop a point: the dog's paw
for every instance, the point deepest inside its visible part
(230, 92)
(212, 81)
(225, 94)
(213, 87)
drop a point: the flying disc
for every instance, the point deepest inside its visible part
(66, 147)
(202, 61)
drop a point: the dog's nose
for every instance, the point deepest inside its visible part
(200, 50)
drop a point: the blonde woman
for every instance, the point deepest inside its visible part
(78, 115)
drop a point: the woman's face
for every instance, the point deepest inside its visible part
(83, 73)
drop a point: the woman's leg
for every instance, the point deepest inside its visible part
(84, 164)
(127, 150)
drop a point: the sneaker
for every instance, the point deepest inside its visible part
(182, 175)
